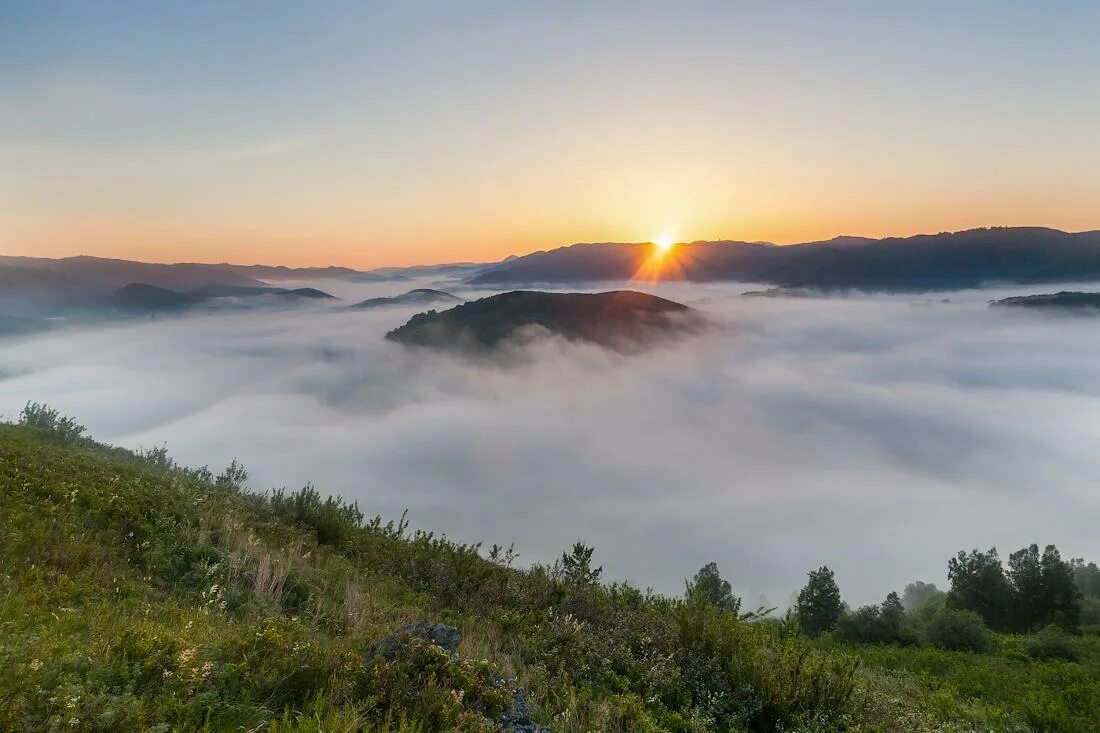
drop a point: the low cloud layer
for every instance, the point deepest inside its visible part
(875, 435)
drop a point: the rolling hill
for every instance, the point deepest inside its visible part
(419, 296)
(623, 320)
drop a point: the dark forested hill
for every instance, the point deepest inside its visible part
(146, 298)
(621, 319)
(419, 296)
(925, 262)
(1064, 300)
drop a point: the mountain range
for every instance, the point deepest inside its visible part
(942, 261)
(146, 298)
(34, 285)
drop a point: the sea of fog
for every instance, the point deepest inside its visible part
(877, 435)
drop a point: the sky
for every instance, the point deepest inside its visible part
(369, 134)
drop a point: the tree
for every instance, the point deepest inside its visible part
(892, 616)
(882, 624)
(978, 584)
(819, 605)
(576, 568)
(709, 585)
(1062, 600)
(916, 593)
(1044, 590)
(1087, 577)
(1029, 603)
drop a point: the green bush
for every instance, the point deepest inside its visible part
(957, 630)
(50, 421)
(332, 519)
(1052, 643)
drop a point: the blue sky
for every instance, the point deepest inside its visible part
(366, 133)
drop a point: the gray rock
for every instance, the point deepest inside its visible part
(518, 719)
(445, 637)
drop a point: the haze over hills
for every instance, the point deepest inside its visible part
(925, 262)
(30, 283)
(145, 298)
(417, 296)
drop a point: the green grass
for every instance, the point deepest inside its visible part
(136, 595)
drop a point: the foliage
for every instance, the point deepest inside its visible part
(957, 630)
(575, 568)
(978, 584)
(1086, 576)
(917, 594)
(140, 595)
(1052, 643)
(883, 624)
(709, 585)
(331, 519)
(1038, 589)
(50, 421)
(819, 604)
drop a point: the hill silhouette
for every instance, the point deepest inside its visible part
(146, 298)
(925, 262)
(419, 296)
(623, 320)
(1064, 300)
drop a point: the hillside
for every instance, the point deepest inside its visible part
(621, 319)
(36, 283)
(145, 298)
(139, 595)
(1065, 300)
(924, 262)
(417, 296)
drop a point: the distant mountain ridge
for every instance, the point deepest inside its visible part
(418, 296)
(1065, 300)
(34, 285)
(943, 261)
(146, 298)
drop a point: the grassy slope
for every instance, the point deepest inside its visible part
(135, 595)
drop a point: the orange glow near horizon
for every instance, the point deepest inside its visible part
(663, 263)
(385, 134)
(296, 245)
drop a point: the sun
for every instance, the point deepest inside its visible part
(664, 243)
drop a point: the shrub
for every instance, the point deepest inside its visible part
(1052, 643)
(863, 626)
(759, 677)
(49, 420)
(332, 519)
(957, 630)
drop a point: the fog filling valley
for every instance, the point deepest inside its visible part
(876, 434)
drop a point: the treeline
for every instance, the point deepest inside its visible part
(1038, 593)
